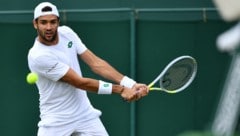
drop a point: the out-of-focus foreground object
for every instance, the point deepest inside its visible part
(229, 9)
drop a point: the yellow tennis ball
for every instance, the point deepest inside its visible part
(32, 78)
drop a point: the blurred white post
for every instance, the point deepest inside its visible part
(227, 113)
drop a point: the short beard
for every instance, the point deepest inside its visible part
(45, 39)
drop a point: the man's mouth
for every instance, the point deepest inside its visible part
(48, 34)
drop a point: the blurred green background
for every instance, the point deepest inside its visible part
(138, 38)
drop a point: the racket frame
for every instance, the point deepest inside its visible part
(151, 88)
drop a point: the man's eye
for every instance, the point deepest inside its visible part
(43, 22)
(53, 22)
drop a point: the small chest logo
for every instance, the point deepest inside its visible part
(70, 44)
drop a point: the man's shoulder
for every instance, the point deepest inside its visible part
(38, 50)
(64, 29)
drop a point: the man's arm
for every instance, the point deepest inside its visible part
(104, 69)
(93, 85)
(101, 67)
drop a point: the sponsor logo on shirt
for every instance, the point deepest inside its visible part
(106, 85)
(70, 44)
(53, 67)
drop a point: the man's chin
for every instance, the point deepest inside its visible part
(49, 39)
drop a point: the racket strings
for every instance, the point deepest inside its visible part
(178, 75)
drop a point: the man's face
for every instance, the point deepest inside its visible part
(47, 29)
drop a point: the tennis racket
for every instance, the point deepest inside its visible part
(176, 76)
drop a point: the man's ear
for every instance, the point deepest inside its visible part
(35, 23)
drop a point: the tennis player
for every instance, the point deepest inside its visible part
(65, 109)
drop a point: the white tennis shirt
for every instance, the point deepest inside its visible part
(60, 103)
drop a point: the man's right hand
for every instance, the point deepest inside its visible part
(135, 93)
(129, 94)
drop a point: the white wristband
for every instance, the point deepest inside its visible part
(127, 82)
(104, 87)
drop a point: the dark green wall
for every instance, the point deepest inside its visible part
(86, 4)
(160, 37)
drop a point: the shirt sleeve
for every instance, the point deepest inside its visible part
(49, 67)
(80, 46)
